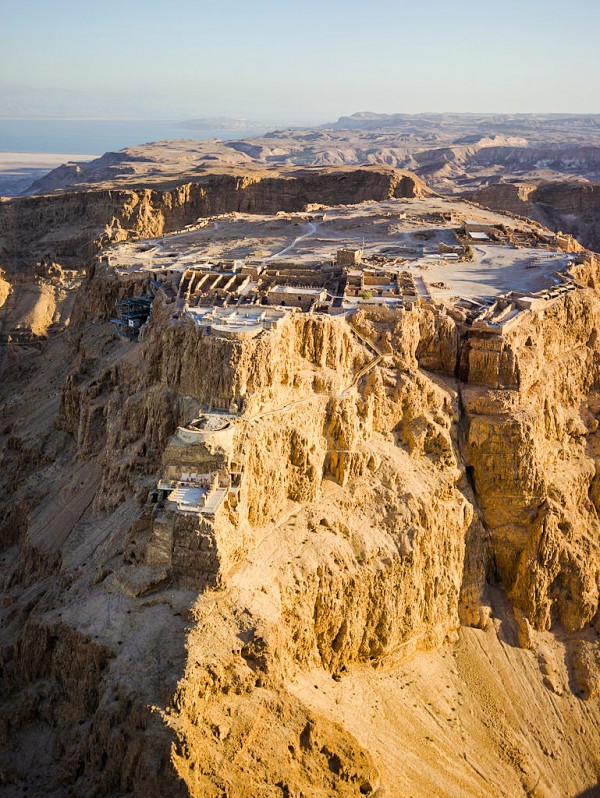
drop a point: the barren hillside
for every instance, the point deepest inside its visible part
(388, 583)
(561, 205)
(451, 152)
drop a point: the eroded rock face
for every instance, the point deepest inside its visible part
(560, 205)
(533, 455)
(377, 517)
(48, 242)
(75, 224)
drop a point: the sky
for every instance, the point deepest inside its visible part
(304, 62)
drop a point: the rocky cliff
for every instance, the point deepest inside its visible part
(570, 207)
(74, 224)
(46, 242)
(402, 599)
(448, 150)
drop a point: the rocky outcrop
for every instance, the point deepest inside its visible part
(99, 216)
(441, 496)
(571, 207)
(398, 567)
(532, 451)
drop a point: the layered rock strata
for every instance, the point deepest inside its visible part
(440, 497)
(568, 206)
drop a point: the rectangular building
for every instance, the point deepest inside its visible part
(295, 296)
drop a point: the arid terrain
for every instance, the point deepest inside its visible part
(545, 167)
(451, 152)
(18, 170)
(299, 485)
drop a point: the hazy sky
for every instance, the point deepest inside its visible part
(311, 60)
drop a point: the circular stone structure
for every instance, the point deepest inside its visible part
(236, 331)
(209, 426)
(209, 423)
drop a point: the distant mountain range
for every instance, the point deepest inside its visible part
(450, 152)
(539, 126)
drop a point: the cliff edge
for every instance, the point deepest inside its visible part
(355, 554)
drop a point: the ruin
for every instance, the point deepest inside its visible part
(285, 494)
(434, 257)
(348, 257)
(132, 313)
(239, 322)
(295, 296)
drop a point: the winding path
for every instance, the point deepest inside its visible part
(290, 247)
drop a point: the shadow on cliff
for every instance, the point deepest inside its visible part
(508, 631)
(87, 664)
(592, 792)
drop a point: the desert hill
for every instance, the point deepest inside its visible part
(482, 157)
(344, 545)
(451, 152)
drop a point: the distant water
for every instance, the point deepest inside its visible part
(85, 136)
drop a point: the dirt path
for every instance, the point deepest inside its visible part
(313, 229)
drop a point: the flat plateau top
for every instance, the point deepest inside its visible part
(403, 235)
(495, 270)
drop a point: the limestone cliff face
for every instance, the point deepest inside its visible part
(400, 475)
(363, 535)
(571, 207)
(398, 566)
(367, 492)
(114, 414)
(303, 356)
(397, 545)
(384, 572)
(532, 447)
